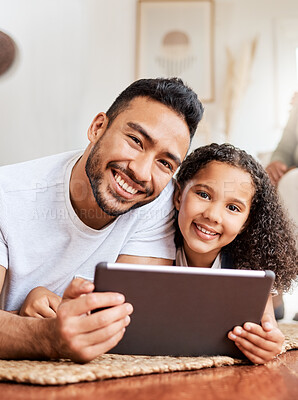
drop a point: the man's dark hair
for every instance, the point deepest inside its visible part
(171, 92)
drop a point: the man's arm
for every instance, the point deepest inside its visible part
(275, 170)
(19, 337)
(288, 143)
(17, 334)
(75, 333)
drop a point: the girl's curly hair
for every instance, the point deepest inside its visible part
(268, 241)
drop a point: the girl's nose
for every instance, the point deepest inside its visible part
(213, 212)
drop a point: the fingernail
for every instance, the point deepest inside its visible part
(268, 326)
(248, 327)
(129, 308)
(127, 320)
(232, 336)
(238, 330)
(120, 298)
(86, 285)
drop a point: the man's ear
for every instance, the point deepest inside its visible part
(177, 196)
(97, 127)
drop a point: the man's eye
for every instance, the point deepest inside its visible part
(204, 195)
(137, 141)
(166, 164)
(234, 208)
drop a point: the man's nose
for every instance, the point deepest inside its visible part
(141, 167)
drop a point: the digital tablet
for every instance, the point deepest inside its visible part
(184, 311)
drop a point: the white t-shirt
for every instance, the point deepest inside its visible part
(44, 243)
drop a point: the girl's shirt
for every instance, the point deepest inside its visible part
(182, 261)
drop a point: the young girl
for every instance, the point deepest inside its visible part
(229, 216)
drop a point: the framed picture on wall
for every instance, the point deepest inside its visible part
(175, 38)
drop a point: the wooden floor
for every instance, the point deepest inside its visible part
(278, 380)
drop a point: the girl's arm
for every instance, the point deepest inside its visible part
(259, 343)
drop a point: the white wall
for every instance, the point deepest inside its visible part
(257, 127)
(75, 56)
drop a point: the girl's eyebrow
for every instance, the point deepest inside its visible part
(237, 201)
(203, 185)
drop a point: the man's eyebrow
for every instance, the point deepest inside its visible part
(144, 133)
(174, 158)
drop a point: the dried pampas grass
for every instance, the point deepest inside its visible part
(236, 82)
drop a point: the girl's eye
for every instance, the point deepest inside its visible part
(166, 164)
(204, 195)
(137, 141)
(233, 208)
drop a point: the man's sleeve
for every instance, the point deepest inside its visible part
(3, 251)
(153, 234)
(286, 148)
(3, 242)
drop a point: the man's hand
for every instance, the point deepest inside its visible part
(82, 336)
(259, 343)
(40, 303)
(276, 170)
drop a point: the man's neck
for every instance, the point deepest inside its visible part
(82, 199)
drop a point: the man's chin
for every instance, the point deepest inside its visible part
(116, 212)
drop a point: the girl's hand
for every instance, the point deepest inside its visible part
(259, 343)
(40, 303)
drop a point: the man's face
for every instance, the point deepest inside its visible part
(135, 158)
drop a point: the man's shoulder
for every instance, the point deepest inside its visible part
(166, 193)
(158, 210)
(26, 175)
(165, 199)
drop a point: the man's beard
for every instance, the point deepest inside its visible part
(96, 178)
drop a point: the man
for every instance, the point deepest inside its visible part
(285, 157)
(283, 168)
(63, 214)
(283, 172)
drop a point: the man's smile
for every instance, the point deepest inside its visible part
(125, 186)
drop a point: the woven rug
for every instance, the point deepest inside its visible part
(118, 366)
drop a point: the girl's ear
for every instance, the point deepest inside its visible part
(177, 196)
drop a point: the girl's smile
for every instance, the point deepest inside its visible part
(213, 208)
(204, 232)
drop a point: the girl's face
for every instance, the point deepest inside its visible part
(213, 208)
